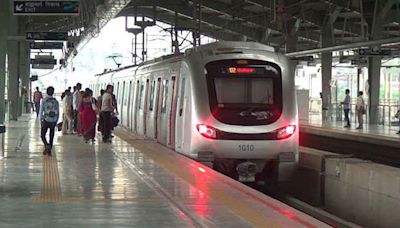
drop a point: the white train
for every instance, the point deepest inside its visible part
(232, 104)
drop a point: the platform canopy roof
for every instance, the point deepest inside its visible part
(274, 22)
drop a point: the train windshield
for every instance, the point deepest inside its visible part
(245, 92)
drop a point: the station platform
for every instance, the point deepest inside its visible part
(130, 183)
(374, 142)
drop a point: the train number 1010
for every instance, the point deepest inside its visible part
(247, 147)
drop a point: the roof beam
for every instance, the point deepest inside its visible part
(207, 19)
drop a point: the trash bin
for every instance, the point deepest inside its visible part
(28, 106)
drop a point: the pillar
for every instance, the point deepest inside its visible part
(4, 14)
(13, 69)
(24, 68)
(374, 78)
(24, 73)
(326, 72)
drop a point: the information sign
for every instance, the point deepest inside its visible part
(46, 35)
(366, 52)
(359, 62)
(23, 7)
(48, 61)
(46, 45)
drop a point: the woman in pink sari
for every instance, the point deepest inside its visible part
(88, 117)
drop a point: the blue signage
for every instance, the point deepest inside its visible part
(46, 35)
(23, 7)
(46, 45)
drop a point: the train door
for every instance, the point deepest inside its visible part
(151, 115)
(136, 105)
(180, 117)
(139, 123)
(172, 113)
(129, 106)
(157, 107)
(122, 106)
(162, 113)
(145, 105)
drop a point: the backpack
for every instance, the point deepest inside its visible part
(51, 110)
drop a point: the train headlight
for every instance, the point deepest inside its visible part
(285, 132)
(207, 131)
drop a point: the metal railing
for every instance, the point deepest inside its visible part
(386, 112)
(352, 114)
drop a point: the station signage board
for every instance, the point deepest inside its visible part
(43, 66)
(359, 62)
(47, 61)
(369, 52)
(308, 58)
(46, 45)
(57, 36)
(25, 7)
(34, 78)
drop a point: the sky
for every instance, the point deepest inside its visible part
(113, 40)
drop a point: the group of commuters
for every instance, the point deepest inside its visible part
(80, 114)
(360, 109)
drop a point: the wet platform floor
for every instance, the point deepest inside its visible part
(129, 183)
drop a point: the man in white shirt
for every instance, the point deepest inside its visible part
(107, 108)
(360, 108)
(76, 100)
(67, 119)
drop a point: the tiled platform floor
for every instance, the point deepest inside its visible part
(129, 183)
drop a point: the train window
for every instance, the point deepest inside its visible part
(244, 93)
(141, 96)
(182, 97)
(255, 91)
(152, 95)
(165, 97)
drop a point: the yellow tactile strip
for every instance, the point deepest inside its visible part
(51, 187)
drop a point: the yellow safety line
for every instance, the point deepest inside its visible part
(51, 187)
(255, 217)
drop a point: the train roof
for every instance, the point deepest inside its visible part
(229, 46)
(220, 47)
(171, 57)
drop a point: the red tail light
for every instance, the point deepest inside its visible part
(285, 132)
(207, 131)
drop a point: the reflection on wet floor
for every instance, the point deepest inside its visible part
(132, 182)
(80, 185)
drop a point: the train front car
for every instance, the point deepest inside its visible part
(244, 116)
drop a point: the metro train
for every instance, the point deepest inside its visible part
(229, 104)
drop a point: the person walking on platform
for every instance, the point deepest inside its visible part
(360, 108)
(99, 101)
(49, 112)
(37, 97)
(76, 100)
(87, 110)
(107, 109)
(346, 108)
(67, 124)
